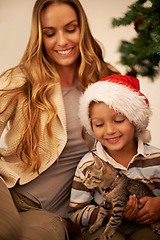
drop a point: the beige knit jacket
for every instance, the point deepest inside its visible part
(11, 168)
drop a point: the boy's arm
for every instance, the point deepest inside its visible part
(83, 210)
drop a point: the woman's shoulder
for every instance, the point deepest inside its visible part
(12, 78)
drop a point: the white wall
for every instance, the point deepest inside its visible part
(15, 21)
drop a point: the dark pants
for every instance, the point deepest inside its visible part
(26, 221)
(10, 222)
(126, 231)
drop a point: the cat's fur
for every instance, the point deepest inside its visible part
(115, 188)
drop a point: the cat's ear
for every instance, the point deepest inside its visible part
(98, 161)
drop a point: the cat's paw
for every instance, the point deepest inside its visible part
(103, 237)
(93, 228)
(157, 231)
(156, 228)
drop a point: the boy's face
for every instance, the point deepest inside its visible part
(113, 130)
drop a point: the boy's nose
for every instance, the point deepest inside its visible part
(110, 128)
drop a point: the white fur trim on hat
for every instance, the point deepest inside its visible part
(123, 100)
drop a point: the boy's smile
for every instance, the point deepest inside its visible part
(113, 130)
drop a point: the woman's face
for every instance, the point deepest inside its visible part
(61, 34)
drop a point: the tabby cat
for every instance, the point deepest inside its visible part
(115, 188)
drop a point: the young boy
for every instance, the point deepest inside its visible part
(117, 114)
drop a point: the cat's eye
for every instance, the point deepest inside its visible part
(96, 177)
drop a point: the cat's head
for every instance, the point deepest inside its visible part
(99, 174)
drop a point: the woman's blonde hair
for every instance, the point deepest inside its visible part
(41, 77)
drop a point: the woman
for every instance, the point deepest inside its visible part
(39, 105)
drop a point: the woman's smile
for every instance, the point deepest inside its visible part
(64, 52)
(61, 34)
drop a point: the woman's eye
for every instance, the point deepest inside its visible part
(71, 30)
(50, 34)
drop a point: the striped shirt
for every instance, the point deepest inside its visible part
(84, 203)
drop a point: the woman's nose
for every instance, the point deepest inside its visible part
(62, 40)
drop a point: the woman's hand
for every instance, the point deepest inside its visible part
(149, 210)
(131, 210)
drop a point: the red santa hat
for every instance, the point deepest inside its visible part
(121, 93)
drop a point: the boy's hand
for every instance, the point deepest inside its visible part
(149, 210)
(131, 210)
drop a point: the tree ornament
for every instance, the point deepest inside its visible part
(137, 22)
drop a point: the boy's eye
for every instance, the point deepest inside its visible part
(99, 125)
(119, 121)
(96, 123)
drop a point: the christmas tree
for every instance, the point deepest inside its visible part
(141, 54)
